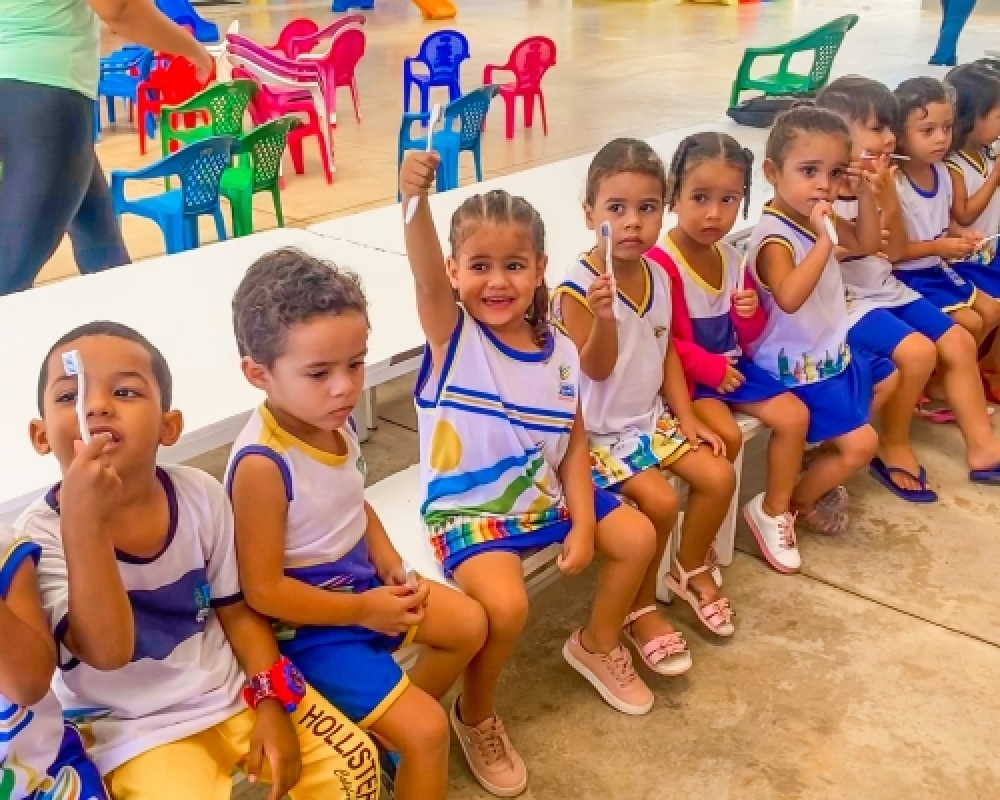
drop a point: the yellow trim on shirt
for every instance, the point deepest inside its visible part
(638, 308)
(967, 304)
(277, 438)
(678, 256)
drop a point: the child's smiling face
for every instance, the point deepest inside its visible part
(813, 170)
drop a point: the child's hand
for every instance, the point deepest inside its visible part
(91, 486)
(857, 183)
(393, 610)
(601, 297)
(745, 303)
(696, 432)
(274, 738)
(731, 381)
(956, 248)
(577, 552)
(820, 210)
(416, 176)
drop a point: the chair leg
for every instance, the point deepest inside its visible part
(220, 224)
(477, 157)
(278, 212)
(425, 91)
(142, 130)
(510, 109)
(356, 99)
(298, 163)
(529, 109)
(110, 102)
(325, 157)
(541, 108)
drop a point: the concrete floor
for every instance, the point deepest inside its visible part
(873, 673)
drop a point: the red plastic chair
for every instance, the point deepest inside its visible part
(173, 81)
(528, 61)
(292, 31)
(337, 66)
(269, 104)
(307, 42)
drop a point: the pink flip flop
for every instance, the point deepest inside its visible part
(665, 655)
(717, 616)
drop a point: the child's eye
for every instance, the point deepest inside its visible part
(699, 197)
(356, 365)
(478, 266)
(837, 172)
(514, 266)
(809, 171)
(729, 199)
(648, 208)
(318, 375)
(126, 392)
(68, 396)
(616, 208)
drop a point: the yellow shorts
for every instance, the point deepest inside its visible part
(339, 761)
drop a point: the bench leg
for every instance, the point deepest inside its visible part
(725, 539)
(365, 415)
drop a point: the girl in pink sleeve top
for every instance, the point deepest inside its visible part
(717, 317)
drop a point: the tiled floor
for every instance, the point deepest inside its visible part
(871, 675)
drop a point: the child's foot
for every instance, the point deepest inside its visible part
(661, 648)
(775, 535)
(907, 467)
(492, 758)
(702, 594)
(612, 674)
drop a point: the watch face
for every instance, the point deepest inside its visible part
(296, 682)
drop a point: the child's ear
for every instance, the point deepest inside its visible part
(171, 427)
(451, 267)
(588, 215)
(39, 437)
(255, 372)
(770, 171)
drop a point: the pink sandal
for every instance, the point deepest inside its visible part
(664, 655)
(717, 616)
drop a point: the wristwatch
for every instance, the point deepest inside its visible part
(282, 681)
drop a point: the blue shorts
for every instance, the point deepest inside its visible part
(936, 285)
(759, 386)
(604, 503)
(73, 773)
(352, 667)
(840, 404)
(985, 277)
(924, 317)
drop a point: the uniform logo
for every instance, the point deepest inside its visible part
(362, 465)
(567, 389)
(564, 372)
(203, 600)
(659, 330)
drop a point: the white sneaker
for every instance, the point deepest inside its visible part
(775, 535)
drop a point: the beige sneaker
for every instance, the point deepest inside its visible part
(612, 675)
(492, 758)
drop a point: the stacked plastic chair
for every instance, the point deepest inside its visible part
(173, 81)
(121, 73)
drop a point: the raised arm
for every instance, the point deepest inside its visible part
(863, 237)
(436, 303)
(592, 327)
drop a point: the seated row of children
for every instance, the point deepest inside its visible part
(195, 629)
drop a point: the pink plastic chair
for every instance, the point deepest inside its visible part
(338, 65)
(529, 60)
(292, 31)
(307, 43)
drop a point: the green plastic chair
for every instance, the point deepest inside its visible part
(259, 170)
(824, 42)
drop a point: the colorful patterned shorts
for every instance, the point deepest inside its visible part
(633, 452)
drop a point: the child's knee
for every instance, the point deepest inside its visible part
(968, 319)
(425, 735)
(916, 355)
(469, 625)
(507, 612)
(732, 438)
(957, 347)
(791, 417)
(662, 507)
(858, 448)
(635, 534)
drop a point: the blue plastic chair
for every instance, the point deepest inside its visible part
(117, 78)
(199, 167)
(183, 13)
(461, 131)
(440, 57)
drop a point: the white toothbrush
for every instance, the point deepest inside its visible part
(411, 208)
(831, 231)
(609, 266)
(412, 580)
(983, 242)
(741, 280)
(73, 365)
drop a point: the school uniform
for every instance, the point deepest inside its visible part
(629, 427)
(982, 268)
(325, 547)
(807, 351)
(927, 216)
(494, 426)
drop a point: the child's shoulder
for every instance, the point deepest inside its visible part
(15, 546)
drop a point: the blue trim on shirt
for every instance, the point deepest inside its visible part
(426, 365)
(456, 484)
(933, 192)
(15, 557)
(521, 355)
(268, 453)
(524, 409)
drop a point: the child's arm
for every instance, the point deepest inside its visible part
(381, 552)
(791, 284)
(863, 237)
(675, 393)
(966, 209)
(592, 328)
(25, 670)
(574, 472)
(748, 315)
(259, 509)
(436, 303)
(951, 248)
(883, 182)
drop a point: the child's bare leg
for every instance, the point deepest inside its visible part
(453, 630)
(852, 452)
(712, 482)
(988, 310)
(626, 540)
(416, 727)
(915, 358)
(496, 581)
(883, 390)
(971, 321)
(788, 419)
(657, 499)
(719, 418)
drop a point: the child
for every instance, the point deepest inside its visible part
(887, 311)
(504, 457)
(40, 755)
(804, 345)
(142, 590)
(927, 237)
(635, 402)
(716, 317)
(313, 554)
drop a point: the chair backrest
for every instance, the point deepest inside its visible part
(200, 169)
(265, 146)
(177, 81)
(346, 51)
(530, 59)
(471, 110)
(306, 43)
(292, 31)
(134, 60)
(825, 42)
(443, 52)
(226, 104)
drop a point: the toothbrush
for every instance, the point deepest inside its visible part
(869, 155)
(831, 231)
(741, 279)
(609, 266)
(412, 581)
(411, 208)
(73, 365)
(987, 239)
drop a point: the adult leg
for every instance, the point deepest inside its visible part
(94, 231)
(956, 14)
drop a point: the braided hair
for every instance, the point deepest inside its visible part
(708, 146)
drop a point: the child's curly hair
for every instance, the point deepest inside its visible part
(709, 146)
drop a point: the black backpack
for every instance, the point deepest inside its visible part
(759, 112)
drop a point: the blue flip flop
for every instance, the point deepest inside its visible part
(990, 476)
(883, 474)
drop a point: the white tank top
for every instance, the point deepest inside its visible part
(325, 526)
(710, 307)
(494, 427)
(811, 344)
(975, 167)
(868, 280)
(926, 215)
(629, 399)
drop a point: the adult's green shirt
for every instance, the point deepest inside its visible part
(51, 42)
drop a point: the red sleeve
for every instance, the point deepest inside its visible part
(749, 329)
(699, 365)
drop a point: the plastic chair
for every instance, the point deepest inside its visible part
(824, 43)
(172, 85)
(184, 14)
(529, 61)
(338, 65)
(461, 131)
(292, 31)
(306, 43)
(121, 73)
(200, 169)
(259, 170)
(440, 58)
(224, 105)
